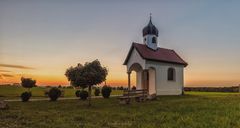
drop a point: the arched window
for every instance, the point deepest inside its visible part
(154, 40)
(171, 74)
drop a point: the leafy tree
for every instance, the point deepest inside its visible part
(87, 75)
(28, 83)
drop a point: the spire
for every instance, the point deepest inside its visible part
(150, 28)
(150, 18)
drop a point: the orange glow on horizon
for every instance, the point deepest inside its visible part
(47, 75)
(122, 81)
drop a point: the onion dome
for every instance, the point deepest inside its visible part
(150, 29)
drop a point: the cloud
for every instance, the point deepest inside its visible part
(7, 75)
(15, 66)
(5, 71)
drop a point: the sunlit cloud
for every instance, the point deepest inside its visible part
(7, 75)
(5, 71)
(15, 66)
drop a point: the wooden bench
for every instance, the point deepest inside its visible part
(128, 95)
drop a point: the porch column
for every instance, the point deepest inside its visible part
(129, 80)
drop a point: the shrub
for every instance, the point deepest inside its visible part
(134, 88)
(25, 96)
(77, 93)
(83, 95)
(106, 91)
(54, 93)
(120, 88)
(97, 92)
(46, 92)
(62, 92)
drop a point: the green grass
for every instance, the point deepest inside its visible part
(13, 92)
(211, 93)
(194, 110)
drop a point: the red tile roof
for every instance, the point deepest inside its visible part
(161, 54)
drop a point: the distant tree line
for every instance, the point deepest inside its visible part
(213, 89)
(113, 87)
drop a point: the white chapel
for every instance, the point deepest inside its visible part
(158, 70)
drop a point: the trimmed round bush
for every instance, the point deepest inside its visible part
(25, 96)
(83, 95)
(54, 94)
(77, 93)
(134, 88)
(97, 92)
(106, 91)
(46, 93)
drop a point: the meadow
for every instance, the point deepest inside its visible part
(193, 110)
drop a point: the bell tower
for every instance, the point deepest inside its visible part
(150, 35)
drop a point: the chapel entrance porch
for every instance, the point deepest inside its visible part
(145, 78)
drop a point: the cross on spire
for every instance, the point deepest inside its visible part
(150, 17)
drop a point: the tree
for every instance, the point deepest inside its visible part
(28, 83)
(87, 75)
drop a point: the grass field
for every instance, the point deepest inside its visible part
(13, 92)
(193, 110)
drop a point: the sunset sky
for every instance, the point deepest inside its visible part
(41, 39)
